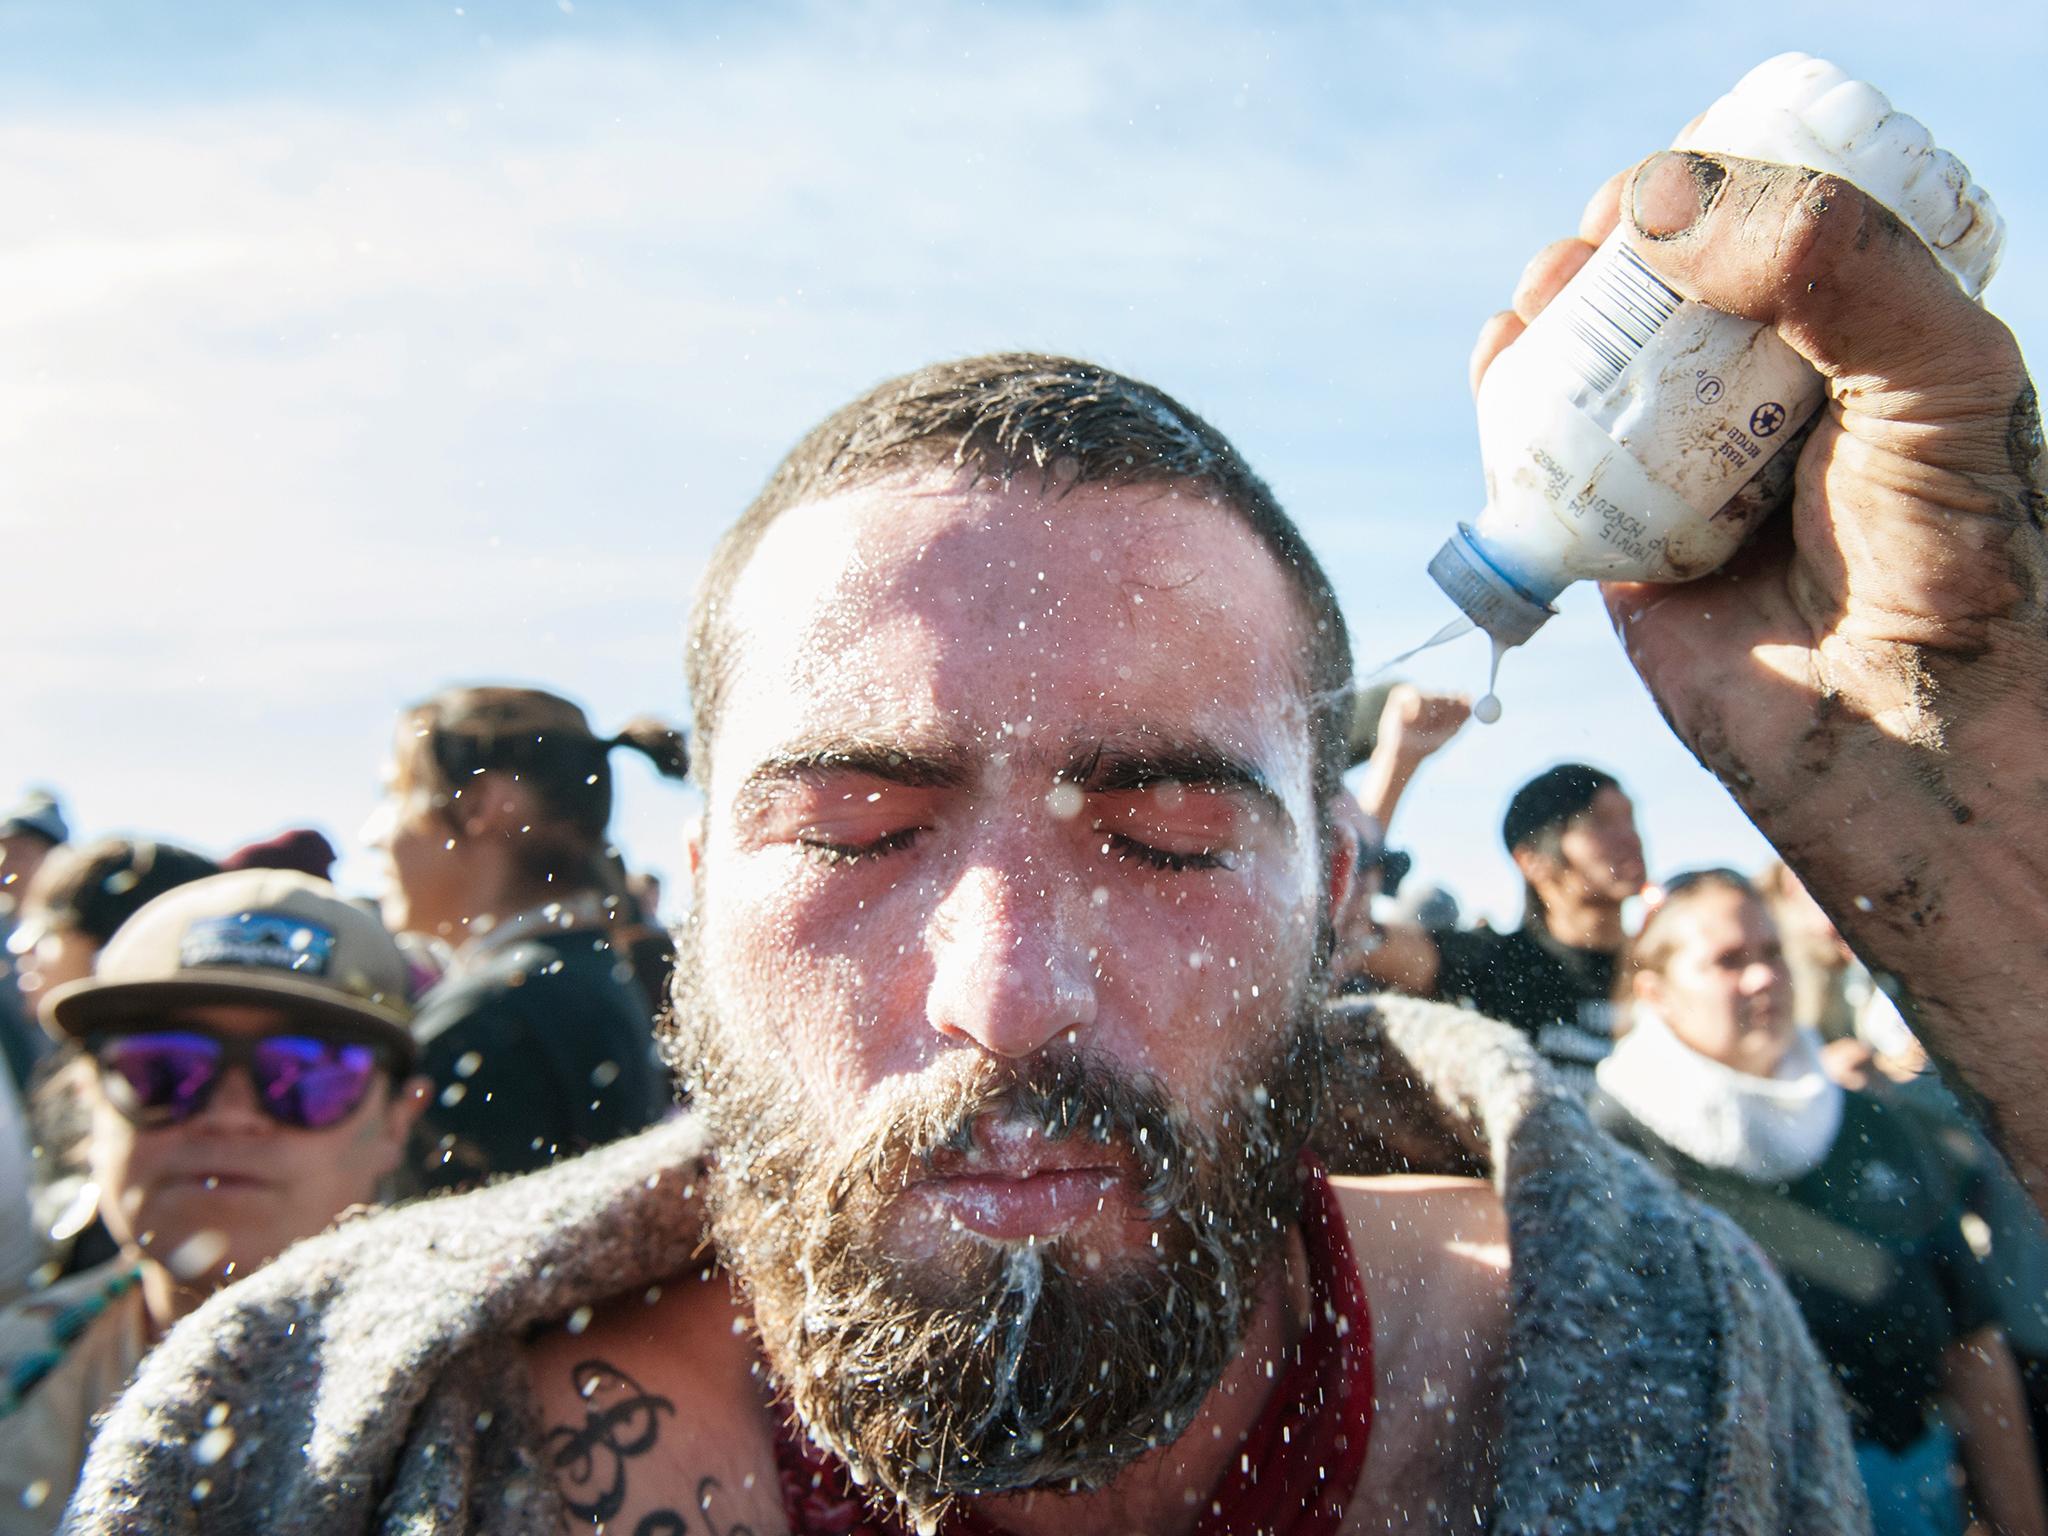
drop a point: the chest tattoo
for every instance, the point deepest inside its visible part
(593, 1461)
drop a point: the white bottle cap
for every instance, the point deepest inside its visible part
(1489, 597)
(1799, 110)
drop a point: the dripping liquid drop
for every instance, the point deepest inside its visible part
(1487, 709)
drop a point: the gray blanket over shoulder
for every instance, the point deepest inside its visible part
(371, 1380)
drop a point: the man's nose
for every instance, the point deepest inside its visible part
(1011, 963)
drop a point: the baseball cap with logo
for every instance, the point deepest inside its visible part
(251, 936)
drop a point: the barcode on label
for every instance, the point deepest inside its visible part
(1621, 306)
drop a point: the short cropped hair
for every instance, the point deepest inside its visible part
(1542, 808)
(996, 419)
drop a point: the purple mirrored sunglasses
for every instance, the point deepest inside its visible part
(165, 1076)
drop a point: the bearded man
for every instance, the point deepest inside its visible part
(1019, 711)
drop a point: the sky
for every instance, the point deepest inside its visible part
(350, 350)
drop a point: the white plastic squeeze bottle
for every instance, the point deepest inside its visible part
(1631, 434)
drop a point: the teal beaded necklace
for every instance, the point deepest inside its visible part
(65, 1330)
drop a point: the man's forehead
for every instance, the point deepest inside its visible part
(921, 608)
(1165, 535)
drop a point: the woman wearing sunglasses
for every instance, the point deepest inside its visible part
(251, 1082)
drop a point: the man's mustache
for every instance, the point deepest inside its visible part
(1059, 1095)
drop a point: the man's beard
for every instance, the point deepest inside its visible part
(988, 1368)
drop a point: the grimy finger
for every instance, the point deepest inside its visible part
(1546, 274)
(1494, 338)
(1603, 209)
(1847, 285)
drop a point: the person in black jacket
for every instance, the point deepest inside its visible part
(1571, 831)
(538, 1038)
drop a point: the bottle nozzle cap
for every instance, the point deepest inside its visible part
(1489, 598)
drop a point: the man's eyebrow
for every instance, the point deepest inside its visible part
(909, 767)
(1121, 766)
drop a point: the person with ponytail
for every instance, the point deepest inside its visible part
(493, 829)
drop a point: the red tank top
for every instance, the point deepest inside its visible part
(1299, 1462)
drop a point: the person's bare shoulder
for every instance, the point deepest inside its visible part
(1433, 1252)
(657, 1417)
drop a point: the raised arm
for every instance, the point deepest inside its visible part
(1413, 727)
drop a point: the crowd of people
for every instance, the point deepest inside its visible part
(211, 1059)
(1047, 1117)
(1730, 1036)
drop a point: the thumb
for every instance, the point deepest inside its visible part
(1840, 277)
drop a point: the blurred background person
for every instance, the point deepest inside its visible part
(305, 849)
(1851, 1196)
(1425, 905)
(539, 1039)
(29, 834)
(80, 896)
(21, 1247)
(1394, 730)
(638, 933)
(249, 1082)
(1827, 982)
(1571, 831)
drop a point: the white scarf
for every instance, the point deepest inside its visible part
(1770, 1129)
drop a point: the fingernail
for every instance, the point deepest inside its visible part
(1673, 192)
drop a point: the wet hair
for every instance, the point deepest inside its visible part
(543, 742)
(1656, 942)
(1052, 422)
(93, 889)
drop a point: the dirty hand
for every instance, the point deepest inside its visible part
(1866, 677)
(1915, 531)
(1414, 724)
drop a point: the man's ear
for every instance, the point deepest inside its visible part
(1346, 840)
(1533, 864)
(693, 845)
